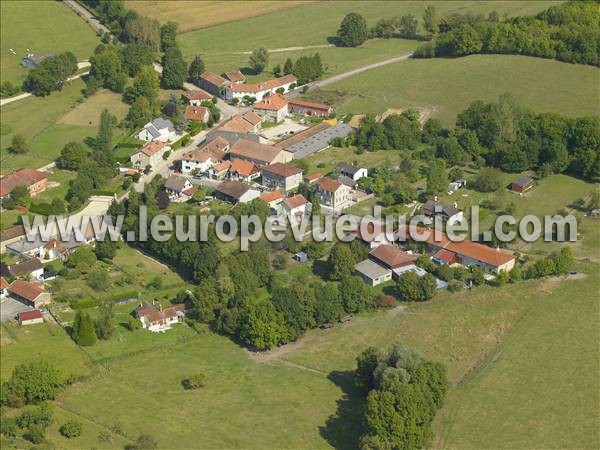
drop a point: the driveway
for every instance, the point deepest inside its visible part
(86, 15)
(9, 308)
(272, 133)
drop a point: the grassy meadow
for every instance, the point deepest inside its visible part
(44, 27)
(445, 87)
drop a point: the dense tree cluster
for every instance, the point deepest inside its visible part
(30, 383)
(405, 391)
(50, 74)
(402, 27)
(353, 30)
(308, 68)
(568, 32)
(557, 263)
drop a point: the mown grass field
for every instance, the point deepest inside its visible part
(49, 123)
(192, 15)
(447, 86)
(44, 27)
(313, 24)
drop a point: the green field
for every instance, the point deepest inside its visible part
(44, 27)
(445, 87)
(313, 24)
(49, 123)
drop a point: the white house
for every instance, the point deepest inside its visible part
(159, 320)
(202, 159)
(352, 171)
(179, 188)
(149, 154)
(273, 107)
(159, 129)
(259, 90)
(294, 208)
(332, 193)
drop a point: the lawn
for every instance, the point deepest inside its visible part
(44, 27)
(49, 123)
(24, 344)
(313, 24)
(446, 87)
(192, 15)
(327, 160)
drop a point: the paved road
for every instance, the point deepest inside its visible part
(86, 15)
(9, 308)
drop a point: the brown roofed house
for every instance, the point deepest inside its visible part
(233, 191)
(243, 170)
(149, 154)
(34, 180)
(30, 293)
(391, 256)
(259, 154)
(332, 193)
(235, 76)
(273, 107)
(196, 97)
(213, 83)
(197, 113)
(296, 106)
(281, 176)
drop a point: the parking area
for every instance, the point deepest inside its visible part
(283, 130)
(9, 308)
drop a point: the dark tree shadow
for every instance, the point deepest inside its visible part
(248, 71)
(334, 40)
(344, 429)
(321, 269)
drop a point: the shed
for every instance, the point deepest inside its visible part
(301, 257)
(521, 184)
(30, 317)
(372, 273)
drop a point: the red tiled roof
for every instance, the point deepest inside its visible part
(235, 76)
(3, 283)
(30, 315)
(269, 197)
(12, 232)
(152, 147)
(391, 256)
(283, 170)
(22, 177)
(236, 125)
(329, 185)
(445, 255)
(295, 201)
(252, 118)
(25, 289)
(213, 78)
(253, 150)
(264, 86)
(197, 95)
(243, 168)
(307, 104)
(225, 165)
(273, 102)
(199, 113)
(313, 177)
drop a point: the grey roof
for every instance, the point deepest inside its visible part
(161, 124)
(445, 209)
(175, 183)
(350, 169)
(523, 181)
(24, 246)
(319, 141)
(232, 188)
(26, 266)
(152, 130)
(371, 269)
(347, 181)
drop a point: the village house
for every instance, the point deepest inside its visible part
(32, 267)
(234, 129)
(465, 252)
(235, 76)
(11, 235)
(29, 293)
(272, 107)
(219, 171)
(245, 171)
(521, 184)
(253, 119)
(456, 185)
(3, 287)
(203, 158)
(197, 113)
(313, 178)
(352, 171)
(213, 83)
(372, 273)
(259, 154)
(281, 176)
(391, 256)
(34, 180)
(179, 188)
(159, 320)
(307, 108)
(149, 154)
(259, 90)
(273, 199)
(195, 98)
(374, 234)
(450, 214)
(159, 129)
(232, 191)
(30, 317)
(294, 208)
(333, 194)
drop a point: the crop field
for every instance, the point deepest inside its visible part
(44, 27)
(445, 87)
(192, 15)
(315, 24)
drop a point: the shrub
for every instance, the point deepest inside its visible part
(455, 286)
(133, 324)
(70, 429)
(195, 381)
(8, 427)
(385, 301)
(35, 434)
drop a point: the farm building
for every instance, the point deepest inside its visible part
(195, 98)
(30, 317)
(309, 108)
(521, 184)
(259, 154)
(235, 192)
(281, 176)
(29, 293)
(213, 83)
(372, 273)
(391, 256)
(259, 90)
(34, 180)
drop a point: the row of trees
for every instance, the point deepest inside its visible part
(404, 391)
(306, 68)
(50, 74)
(569, 32)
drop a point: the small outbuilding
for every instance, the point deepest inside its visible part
(30, 317)
(372, 273)
(521, 184)
(301, 257)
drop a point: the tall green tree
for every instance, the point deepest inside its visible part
(72, 156)
(83, 330)
(341, 261)
(288, 66)
(146, 84)
(105, 324)
(259, 59)
(18, 145)
(431, 20)
(174, 69)
(353, 30)
(196, 69)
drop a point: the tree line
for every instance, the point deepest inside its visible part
(568, 32)
(51, 74)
